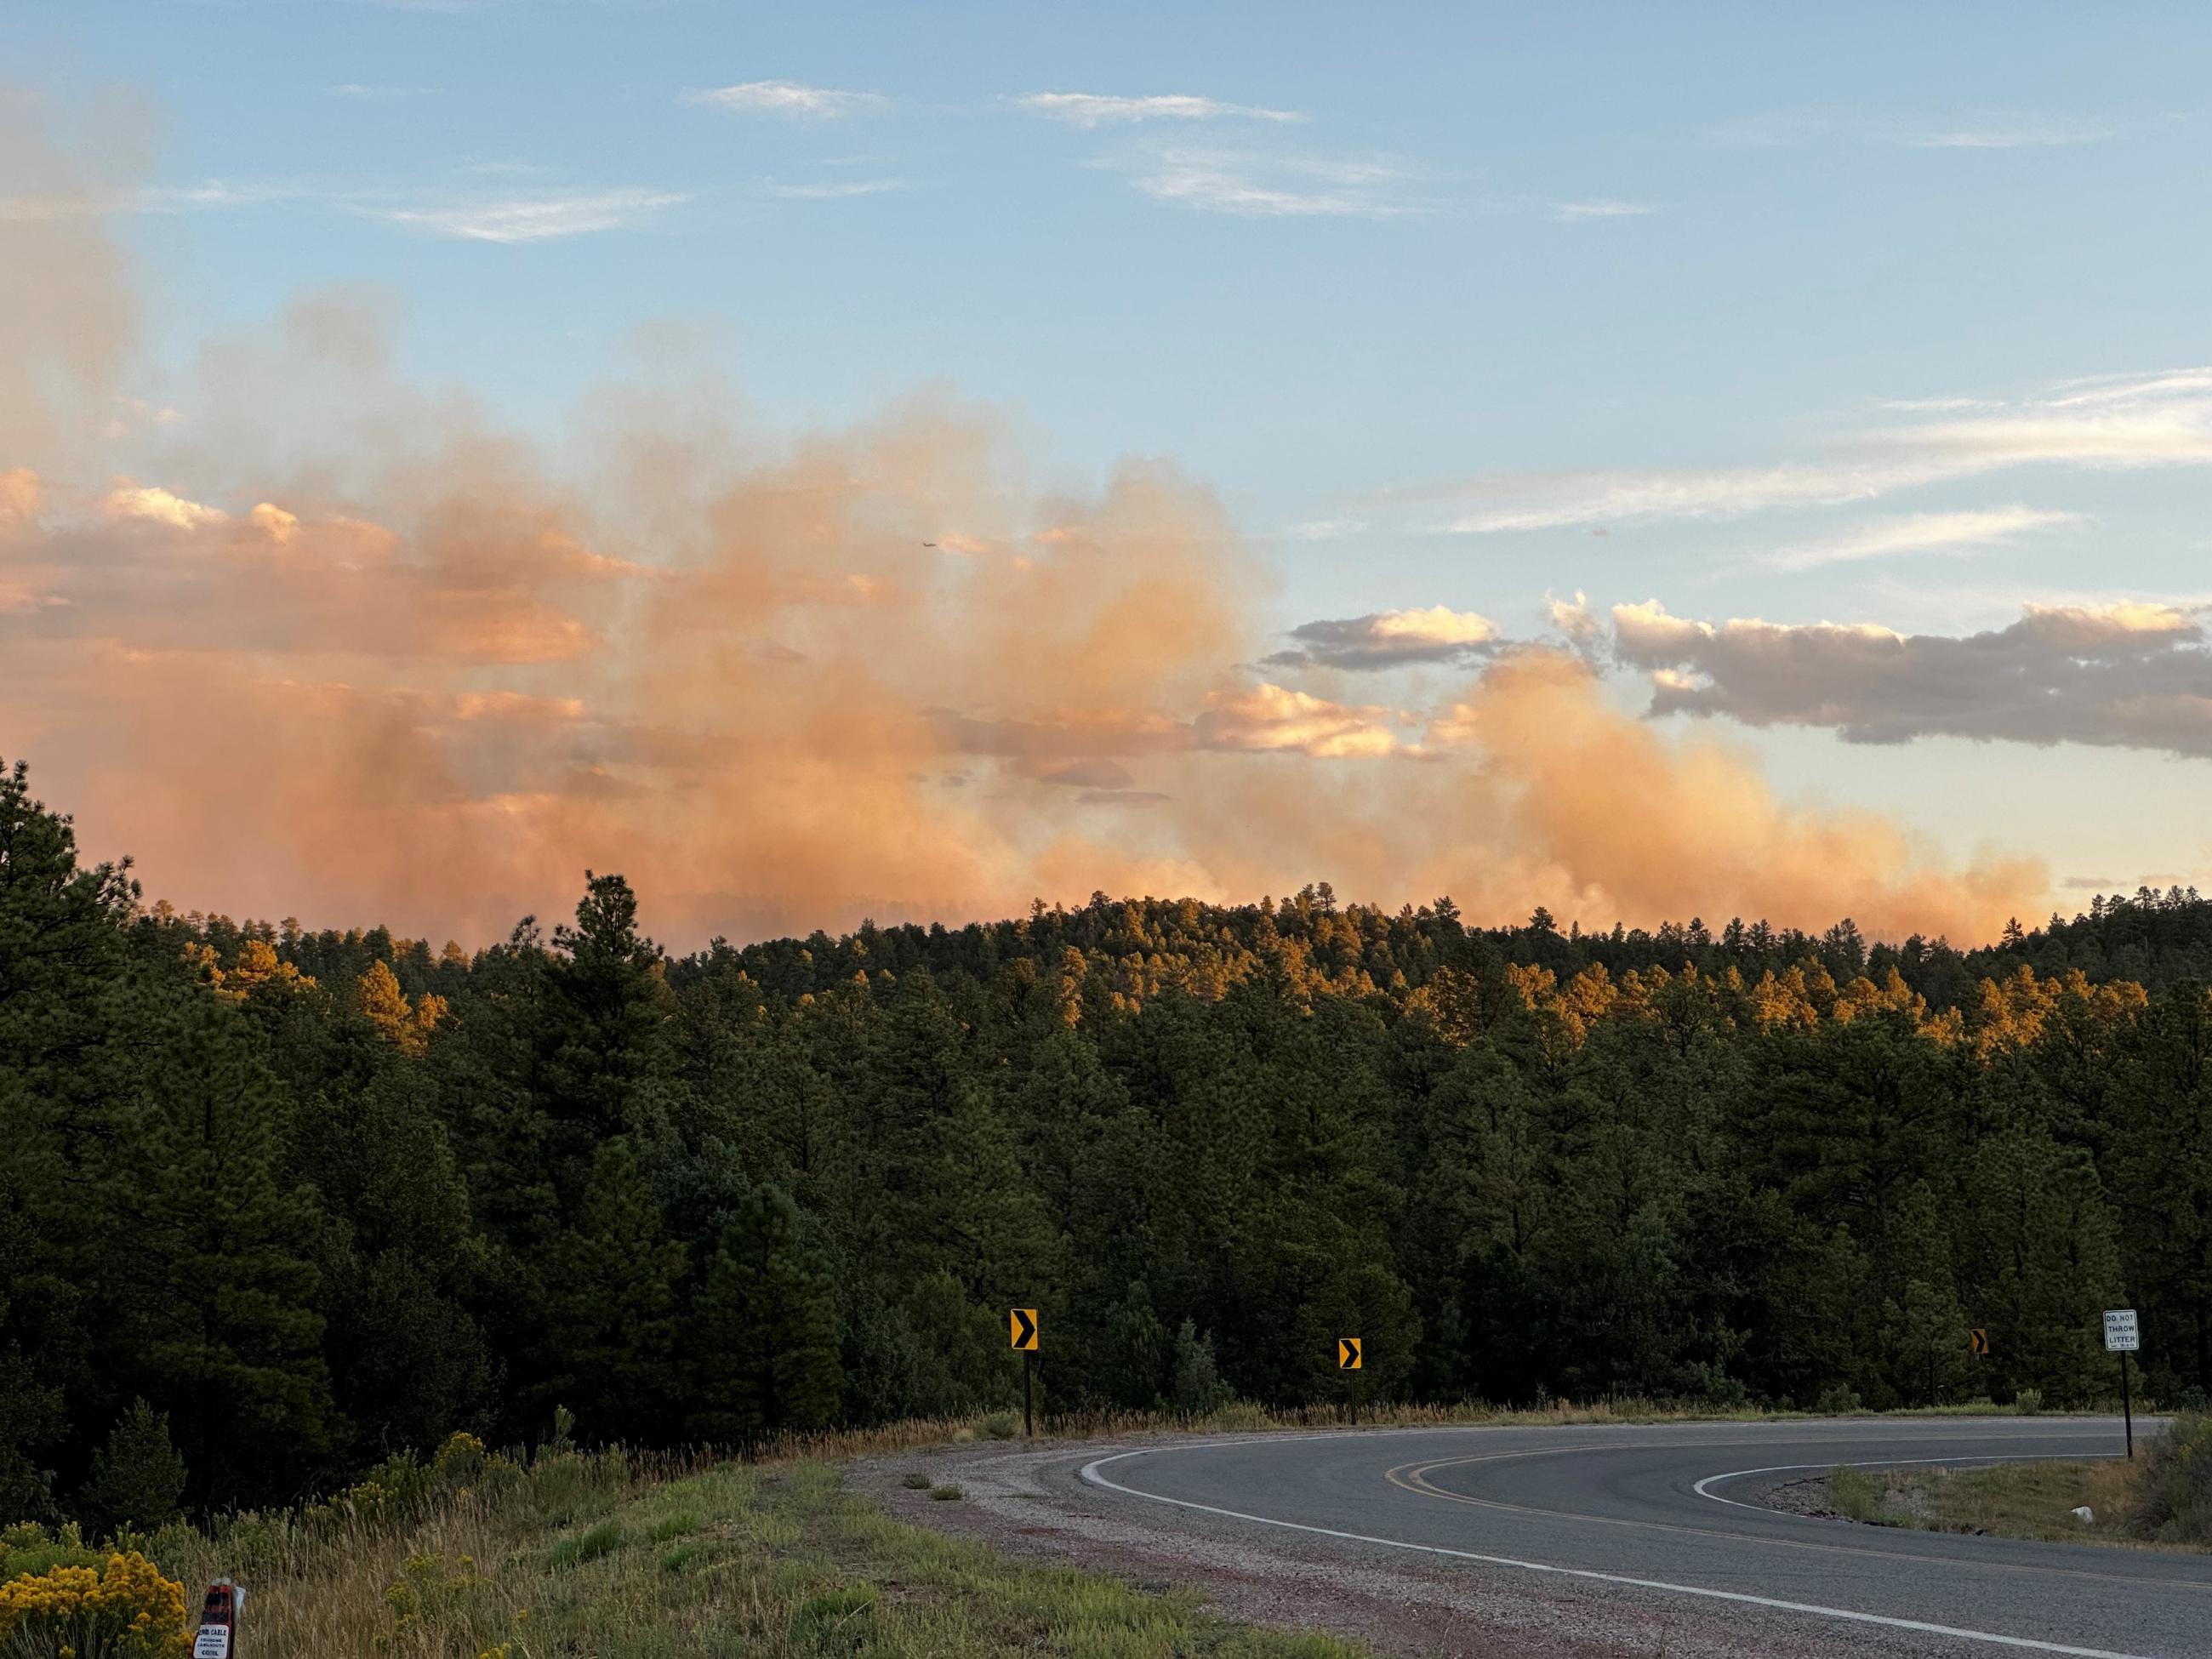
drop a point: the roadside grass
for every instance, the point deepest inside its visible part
(2004, 1500)
(1859, 1496)
(573, 1554)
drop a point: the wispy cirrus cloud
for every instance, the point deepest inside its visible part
(834, 189)
(202, 194)
(1600, 208)
(1092, 109)
(791, 100)
(537, 217)
(1255, 184)
(2118, 422)
(1979, 130)
(1919, 532)
(542, 218)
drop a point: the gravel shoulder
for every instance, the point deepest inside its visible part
(1032, 1503)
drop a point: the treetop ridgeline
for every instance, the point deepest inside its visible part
(277, 1204)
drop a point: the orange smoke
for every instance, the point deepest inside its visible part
(331, 647)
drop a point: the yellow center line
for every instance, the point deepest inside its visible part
(1413, 1477)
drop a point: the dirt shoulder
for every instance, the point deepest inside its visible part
(1032, 1503)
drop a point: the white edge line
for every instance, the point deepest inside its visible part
(1091, 1475)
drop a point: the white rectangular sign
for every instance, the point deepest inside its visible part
(213, 1642)
(2120, 1334)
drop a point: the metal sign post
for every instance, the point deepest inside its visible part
(2123, 1336)
(1021, 1326)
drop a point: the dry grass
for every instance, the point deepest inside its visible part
(2005, 1500)
(582, 1555)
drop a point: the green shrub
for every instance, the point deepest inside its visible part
(946, 1493)
(998, 1426)
(2028, 1401)
(915, 1480)
(2175, 1506)
(1197, 1390)
(1839, 1400)
(1857, 1495)
(28, 1547)
(590, 1545)
(683, 1556)
(137, 1478)
(676, 1525)
(835, 1621)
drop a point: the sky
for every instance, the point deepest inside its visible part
(903, 461)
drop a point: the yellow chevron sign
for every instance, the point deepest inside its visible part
(1347, 1353)
(1023, 1324)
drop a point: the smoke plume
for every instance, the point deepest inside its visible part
(308, 641)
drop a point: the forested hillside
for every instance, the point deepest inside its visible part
(316, 1197)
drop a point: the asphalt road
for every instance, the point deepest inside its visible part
(1673, 1511)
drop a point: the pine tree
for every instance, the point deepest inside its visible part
(764, 1337)
(210, 1279)
(137, 1478)
(66, 1062)
(2039, 1241)
(605, 1069)
(610, 1283)
(406, 1025)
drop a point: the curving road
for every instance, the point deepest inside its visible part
(1673, 1512)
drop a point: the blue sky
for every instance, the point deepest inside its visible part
(1868, 315)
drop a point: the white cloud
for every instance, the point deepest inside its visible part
(1576, 620)
(789, 98)
(2124, 422)
(836, 190)
(1275, 186)
(2134, 674)
(1390, 639)
(1270, 717)
(1983, 129)
(1918, 533)
(1600, 208)
(2021, 133)
(153, 505)
(542, 216)
(1092, 109)
(1325, 530)
(534, 218)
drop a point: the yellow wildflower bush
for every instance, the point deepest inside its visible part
(125, 1609)
(430, 1594)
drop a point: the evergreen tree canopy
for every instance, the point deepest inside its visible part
(274, 1203)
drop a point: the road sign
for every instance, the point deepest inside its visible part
(218, 1620)
(2123, 1337)
(1978, 1340)
(1348, 1356)
(1022, 1321)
